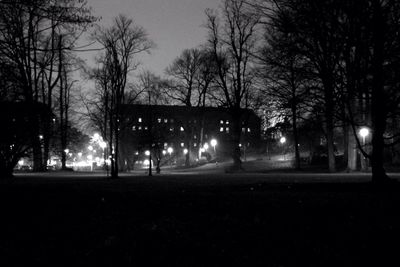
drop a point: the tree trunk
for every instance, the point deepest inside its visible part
(378, 110)
(235, 141)
(37, 147)
(352, 151)
(329, 124)
(295, 135)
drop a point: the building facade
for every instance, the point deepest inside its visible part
(185, 130)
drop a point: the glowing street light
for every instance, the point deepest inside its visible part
(170, 150)
(185, 151)
(147, 153)
(66, 151)
(282, 140)
(164, 152)
(364, 132)
(213, 143)
(96, 136)
(205, 146)
(90, 148)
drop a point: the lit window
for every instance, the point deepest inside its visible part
(165, 144)
(227, 122)
(145, 128)
(243, 130)
(171, 129)
(165, 120)
(182, 129)
(133, 128)
(221, 122)
(159, 120)
(221, 129)
(140, 128)
(195, 144)
(248, 130)
(195, 137)
(182, 144)
(139, 119)
(227, 129)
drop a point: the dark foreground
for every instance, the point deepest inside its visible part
(186, 221)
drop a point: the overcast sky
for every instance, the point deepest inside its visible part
(172, 24)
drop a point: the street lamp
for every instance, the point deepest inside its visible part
(205, 146)
(364, 132)
(185, 151)
(283, 141)
(90, 148)
(170, 150)
(213, 142)
(90, 159)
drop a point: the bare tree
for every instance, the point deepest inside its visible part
(232, 41)
(122, 42)
(30, 40)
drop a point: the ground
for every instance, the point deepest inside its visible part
(183, 218)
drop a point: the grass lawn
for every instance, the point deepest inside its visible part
(191, 221)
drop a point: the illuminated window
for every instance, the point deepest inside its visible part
(227, 122)
(159, 120)
(182, 144)
(139, 119)
(195, 144)
(248, 130)
(195, 137)
(182, 129)
(227, 129)
(221, 129)
(165, 120)
(140, 128)
(243, 130)
(171, 129)
(145, 128)
(133, 128)
(221, 122)
(165, 144)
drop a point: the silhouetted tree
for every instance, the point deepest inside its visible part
(30, 42)
(122, 42)
(232, 42)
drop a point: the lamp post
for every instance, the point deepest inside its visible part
(213, 143)
(364, 132)
(148, 153)
(283, 141)
(170, 150)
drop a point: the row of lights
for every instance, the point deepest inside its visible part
(185, 150)
(364, 132)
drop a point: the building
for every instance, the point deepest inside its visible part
(185, 130)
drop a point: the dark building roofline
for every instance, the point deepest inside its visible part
(183, 109)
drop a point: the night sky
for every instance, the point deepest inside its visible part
(172, 24)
